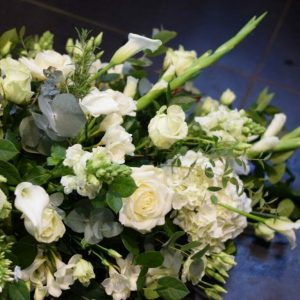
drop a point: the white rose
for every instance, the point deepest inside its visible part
(98, 103)
(46, 59)
(180, 58)
(51, 229)
(118, 143)
(167, 128)
(148, 205)
(15, 81)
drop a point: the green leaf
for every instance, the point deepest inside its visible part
(10, 172)
(209, 172)
(150, 259)
(25, 250)
(165, 35)
(276, 173)
(18, 291)
(37, 175)
(191, 245)
(184, 101)
(114, 201)
(171, 288)
(214, 188)
(174, 237)
(7, 150)
(7, 41)
(130, 241)
(58, 154)
(142, 278)
(200, 253)
(263, 100)
(286, 207)
(124, 186)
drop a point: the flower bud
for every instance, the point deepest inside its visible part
(276, 125)
(227, 97)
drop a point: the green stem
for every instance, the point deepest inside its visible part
(287, 144)
(99, 73)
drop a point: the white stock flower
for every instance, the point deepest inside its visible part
(131, 87)
(5, 206)
(180, 58)
(266, 143)
(197, 215)
(227, 97)
(31, 200)
(118, 143)
(15, 81)
(281, 225)
(120, 283)
(136, 43)
(73, 155)
(51, 229)
(276, 125)
(46, 59)
(111, 120)
(165, 129)
(148, 205)
(98, 103)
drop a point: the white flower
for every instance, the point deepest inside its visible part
(131, 87)
(120, 284)
(227, 97)
(110, 121)
(83, 272)
(187, 270)
(126, 105)
(31, 200)
(73, 155)
(118, 143)
(197, 215)
(46, 59)
(265, 144)
(5, 206)
(15, 83)
(135, 44)
(180, 58)
(281, 225)
(98, 103)
(148, 205)
(276, 125)
(167, 128)
(51, 229)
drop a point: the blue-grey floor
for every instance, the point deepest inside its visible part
(269, 57)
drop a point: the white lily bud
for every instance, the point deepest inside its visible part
(276, 125)
(136, 43)
(227, 97)
(131, 87)
(31, 200)
(265, 144)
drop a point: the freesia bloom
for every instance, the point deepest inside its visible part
(131, 87)
(15, 83)
(281, 225)
(136, 43)
(167, 128)
(120, 283)
(266, 143)
(110, 121)
(152, 200)
(31, 200)
(46, 59)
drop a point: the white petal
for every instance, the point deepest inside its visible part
(276, 125)
(265, 144)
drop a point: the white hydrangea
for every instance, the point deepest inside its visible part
(197, 215)
(224, 123)
(81, 181)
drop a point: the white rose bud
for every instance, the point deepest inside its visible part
(227, 97)
(167, 128)
(180, 58)
(148, 205)
(276, 125)
(83, 272)
(15, 81)
(136, 43)
(51, 229)
(46, 59)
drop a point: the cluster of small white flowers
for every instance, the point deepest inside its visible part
(85, 185)
(224, 123)
(197, 215)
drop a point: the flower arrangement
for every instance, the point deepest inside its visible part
(113, 187)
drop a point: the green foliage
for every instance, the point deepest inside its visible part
(58, 154)
(7, 150)
(114, 201)
(18, 291)
(171, 288)
(10, 172)
(149, 259)
(123, 186)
